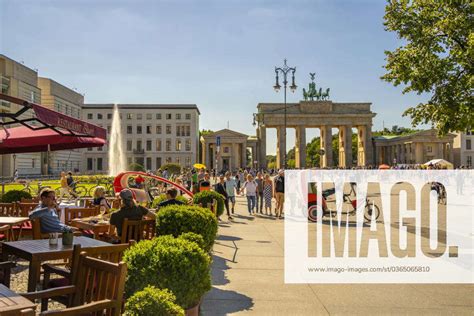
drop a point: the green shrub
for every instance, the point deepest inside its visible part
(153, 302)
(205, 199)
(136, 167)
(15, 195)
(172, 263)
(177, 219)
(162, 197)
(190, 236)
(172, 168)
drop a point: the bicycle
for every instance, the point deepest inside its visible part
(370, 209)
(27, 187)
(75, 191)
(109, 188)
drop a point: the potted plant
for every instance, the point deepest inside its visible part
(68, 236)
(177, 219)
(162, 197)
(169, 263)
(205, 198)
(153, 302)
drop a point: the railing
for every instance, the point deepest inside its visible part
(139, 151)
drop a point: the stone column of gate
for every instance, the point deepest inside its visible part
(281, 147)
(300, 150)
(262, 150)
(361, 145)
(345, 146)
(326, 144)
(244, 154)
(369, 149)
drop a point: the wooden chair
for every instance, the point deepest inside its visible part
(115, 203)
(8, 209)
(137, 230)
(23, 210)
(71, 213)
(112, 253)
(97, 287)
(36, 229)
(32, 200)
(5, 272)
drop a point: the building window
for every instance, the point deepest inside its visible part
(99, 115)
(139, 129)
(468, 144)
(129, 116)
(129, 129)
(178, 160)
(469, 161)
(168, 129)
(99, 163)
(188, 116)
(89, 115)
(139, 116)
(178, 145)
(168, 116)
(148, 145)
(89, 148)
(99, 148)
(188, 162)
(188, 145)
(109, 116)
(168, 160)
(158, 162)
(109, 128)
(178, 130)
(178, 116)
(188, 130)
(148, 163)
(89, 164)
(149, 116)
(158, 129)
(158, 117)
(129, 160)
(158, 145)
(168, 145)
(226, 150)
(139, 145)
(129, 145)
(148, 129)
(429, 149)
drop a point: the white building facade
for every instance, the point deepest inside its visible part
(152, 135)
(463, 149)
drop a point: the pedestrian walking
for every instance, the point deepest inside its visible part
(268, 194)
(259, 196)
(250, 187)
(279, 192)
(231, 188)
(221, 189)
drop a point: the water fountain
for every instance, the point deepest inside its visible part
(117, 162)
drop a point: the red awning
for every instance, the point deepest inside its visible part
(24, 140)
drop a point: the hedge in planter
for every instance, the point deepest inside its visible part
(15, 196)
(205, 199)
(153, 302)
(190, 236)
(177, 219)
(162, 197)
(172, 263)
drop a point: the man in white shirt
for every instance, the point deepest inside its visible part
(230, 187)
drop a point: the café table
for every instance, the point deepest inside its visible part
(12, 303)
(93, 224)
(13, 221)
(39, 250)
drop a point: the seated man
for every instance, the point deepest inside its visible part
(48, 211)
(129, 210)
(171, 194)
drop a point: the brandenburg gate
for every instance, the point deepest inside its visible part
(325, 115)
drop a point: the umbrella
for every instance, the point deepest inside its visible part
(384, 167)
(199, 166)
(21, 139)
(440, 162)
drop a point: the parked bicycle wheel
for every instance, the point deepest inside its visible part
(371, 211)
(57, 191)
(27, 189)
(81, 191)
(315, 213)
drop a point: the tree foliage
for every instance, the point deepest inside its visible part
(437, 59)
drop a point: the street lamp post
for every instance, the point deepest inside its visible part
(284, 71)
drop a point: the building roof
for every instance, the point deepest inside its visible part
(142, 106)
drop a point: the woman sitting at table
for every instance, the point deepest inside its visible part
(129, 210)
(100, 200)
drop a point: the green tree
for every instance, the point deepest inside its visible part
(436, 58)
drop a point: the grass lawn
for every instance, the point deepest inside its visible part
(54, 184)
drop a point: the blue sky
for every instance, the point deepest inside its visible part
(219, 54)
